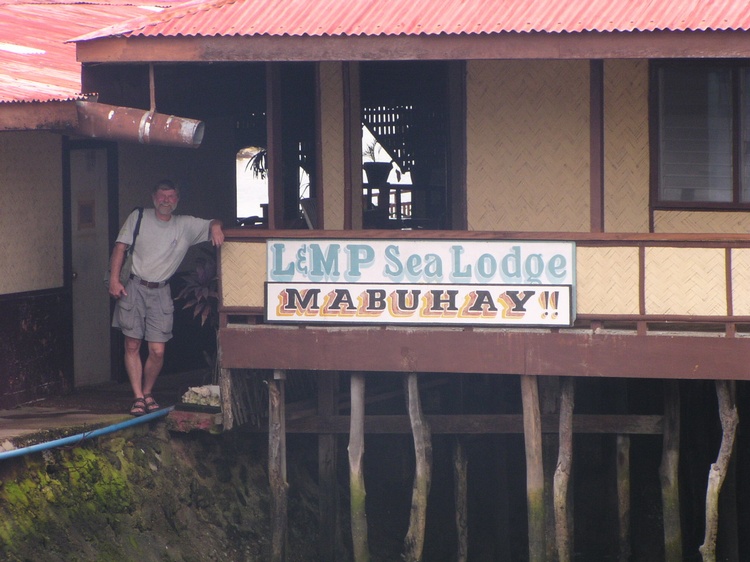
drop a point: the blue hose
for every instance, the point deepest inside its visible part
(75, 439)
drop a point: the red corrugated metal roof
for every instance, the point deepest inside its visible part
(36, 63)
(416, 17)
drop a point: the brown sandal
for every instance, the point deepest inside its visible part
(138, 408)
(150, 403)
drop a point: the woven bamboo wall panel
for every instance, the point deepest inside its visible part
(606, 280)
(701, 222)
(741, 281)
(332, 139)
(686, 281)
(528, 145)
(626, 146)
(243, 272)
(31, 212)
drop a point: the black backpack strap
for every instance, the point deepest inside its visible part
(136, 230)
(137, 226)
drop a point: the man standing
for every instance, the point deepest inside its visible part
(144, 309)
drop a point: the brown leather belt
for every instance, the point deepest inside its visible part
(149, 284)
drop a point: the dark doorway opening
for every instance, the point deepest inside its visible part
(405, 113)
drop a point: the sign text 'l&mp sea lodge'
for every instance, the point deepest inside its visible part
(508, 283)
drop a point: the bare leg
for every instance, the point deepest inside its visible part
(153, 366)
(133, 365)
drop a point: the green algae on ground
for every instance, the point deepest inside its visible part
(141, 494)
(77, 487)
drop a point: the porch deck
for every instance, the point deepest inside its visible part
(84, 409)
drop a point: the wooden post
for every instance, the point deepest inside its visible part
(668, 473)
(225, 391)
(414, 542)
(549, 404)
(563, 538)
(729, 422)
(327, 455)
(356, 476)
(623, 496)
(622, 468)
(460, 495)
(277, 465)
(532, 430)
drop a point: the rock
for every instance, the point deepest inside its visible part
(207, 395)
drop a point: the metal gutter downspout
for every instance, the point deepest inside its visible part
(111, 122)
(75, 439)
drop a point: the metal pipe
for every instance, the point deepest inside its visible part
(111, 122)
(75, 439)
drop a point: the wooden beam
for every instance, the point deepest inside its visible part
(588, 239)
(492, 351)
(457, 164)
(532, 45)
(596, 144)
(477, 424)
(275, 146)
(352, 147)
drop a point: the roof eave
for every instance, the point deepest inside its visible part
(534, 45)
(38, 116)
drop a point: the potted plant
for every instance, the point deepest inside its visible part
(377, 171)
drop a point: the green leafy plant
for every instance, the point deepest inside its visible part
(371, 151)
(201, 290)
(258, 163)
(201, 294)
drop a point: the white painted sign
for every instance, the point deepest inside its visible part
(509, 305)
(511, 283)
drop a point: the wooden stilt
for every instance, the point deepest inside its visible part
(549, 403)
(623, 496)
(225, 391)
(414, 542)
(277, 465)
(455, 405)
(729, 531)
(563, 535)
(505, 511)
(499, 457)
(532, 430)
(622, 473)
(668, 473)
(729, 422)
(327, 454)
(460, 494)
(356, 476)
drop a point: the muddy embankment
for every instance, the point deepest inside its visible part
(147, 494)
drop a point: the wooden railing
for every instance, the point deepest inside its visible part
(642, 281)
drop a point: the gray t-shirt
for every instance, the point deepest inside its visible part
(161, 245)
